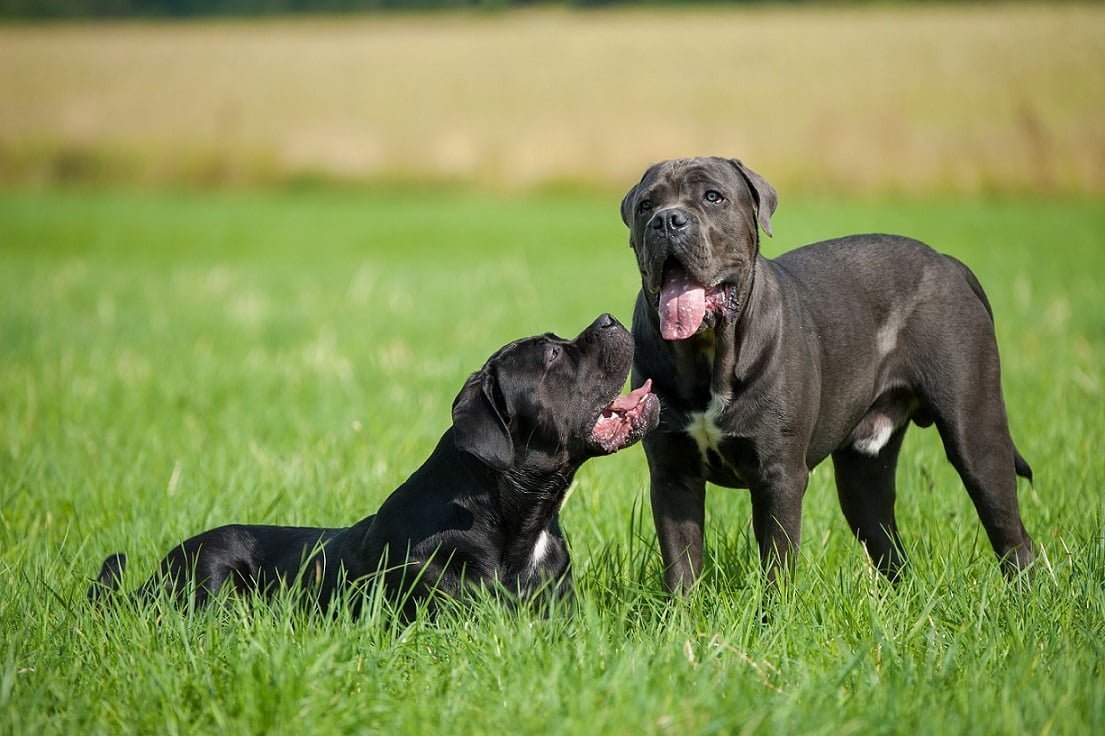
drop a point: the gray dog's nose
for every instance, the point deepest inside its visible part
(671, 220)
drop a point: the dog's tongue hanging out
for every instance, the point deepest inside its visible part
(682, 304)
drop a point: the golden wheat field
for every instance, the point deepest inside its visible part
(902, 99)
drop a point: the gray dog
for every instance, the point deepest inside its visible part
(765, 367)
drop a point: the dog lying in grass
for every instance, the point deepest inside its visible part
(482, 511)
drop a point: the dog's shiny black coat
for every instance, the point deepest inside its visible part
(831, 349)
(481, 511)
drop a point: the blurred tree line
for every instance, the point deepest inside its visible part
(197, 8)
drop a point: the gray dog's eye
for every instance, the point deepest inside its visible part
(713, 196)
(552, 352)
(645, 205)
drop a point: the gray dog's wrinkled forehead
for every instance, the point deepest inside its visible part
(676, 176)
(692, 169)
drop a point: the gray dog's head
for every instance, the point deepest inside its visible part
(544, 404)
(692, 223)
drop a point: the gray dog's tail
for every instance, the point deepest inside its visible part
(1023, 468)
(110, 578)
(1021, 465)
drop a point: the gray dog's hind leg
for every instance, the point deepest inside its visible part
(865, 485)
(978, 445)
(965, 397)
(970, 416)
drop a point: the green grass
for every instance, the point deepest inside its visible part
(173, 361)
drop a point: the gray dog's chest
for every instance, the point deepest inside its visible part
(722, 454)
(703, 427)
(729, 441)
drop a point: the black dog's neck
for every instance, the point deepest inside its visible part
(527, 499)
(528, 502)
(524, 502)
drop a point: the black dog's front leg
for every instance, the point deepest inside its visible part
(777, 518)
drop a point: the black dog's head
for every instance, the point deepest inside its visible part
(692, 223)
(544, 404)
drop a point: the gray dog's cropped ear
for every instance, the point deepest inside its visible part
(630, 198)
(479, 426)
(767, 199)
(627, 205)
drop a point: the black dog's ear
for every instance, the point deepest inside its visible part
(767, 199)
(479, 426)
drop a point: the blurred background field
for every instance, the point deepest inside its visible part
(913, 99)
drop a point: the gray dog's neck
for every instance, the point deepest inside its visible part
(742, 343)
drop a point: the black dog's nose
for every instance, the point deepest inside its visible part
(671, 220)
(602, 329)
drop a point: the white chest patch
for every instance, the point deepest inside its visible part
(703, 429)
(540, 549)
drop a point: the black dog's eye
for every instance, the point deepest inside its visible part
(645, 205)
(552, 352)
(713, 196)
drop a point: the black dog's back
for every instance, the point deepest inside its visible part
(110, 578)
(248, 557)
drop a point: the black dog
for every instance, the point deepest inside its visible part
(765, 367)
(481, 511)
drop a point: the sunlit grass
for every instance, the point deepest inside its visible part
(175, 361)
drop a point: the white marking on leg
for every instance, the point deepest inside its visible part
(873, 442)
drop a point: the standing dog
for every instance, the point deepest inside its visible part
(765, 367)
(481, 511)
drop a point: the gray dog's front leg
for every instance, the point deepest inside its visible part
(679, 510)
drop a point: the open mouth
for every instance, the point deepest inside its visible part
(687, 306)
(626, 419)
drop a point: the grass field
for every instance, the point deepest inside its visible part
(172, 361)
(911, 99)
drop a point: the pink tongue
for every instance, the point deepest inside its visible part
(682, 305)
(627, 401)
